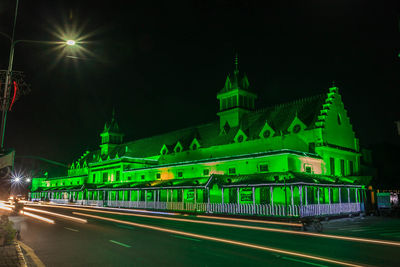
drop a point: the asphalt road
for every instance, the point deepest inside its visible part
(106, 243)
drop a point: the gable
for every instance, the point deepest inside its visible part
(335, 122)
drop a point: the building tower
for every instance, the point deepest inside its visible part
(235, 99)
(111, 136)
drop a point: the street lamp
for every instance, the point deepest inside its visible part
(70, 42)
(4, 104)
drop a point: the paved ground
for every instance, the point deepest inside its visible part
(105, 243)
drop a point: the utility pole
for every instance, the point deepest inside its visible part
(5, 103)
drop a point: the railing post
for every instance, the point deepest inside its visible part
(222, 195)
(329, 197)
(292, 198)
(254, 200)
(318, 200)
(238, 195)
(348, 198)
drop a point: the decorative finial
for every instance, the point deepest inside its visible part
(236, 62)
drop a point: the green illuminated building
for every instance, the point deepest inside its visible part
(294, 159)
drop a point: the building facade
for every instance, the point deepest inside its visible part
(296, 159)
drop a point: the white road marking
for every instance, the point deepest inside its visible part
(74, 230)
(119, 243)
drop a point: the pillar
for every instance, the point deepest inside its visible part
(291, 191)
(348, 195)
(222, 194)
(271, 196)
(329, 195)
(238, 195)
(301, 195)
(254, 195)
(195, 196)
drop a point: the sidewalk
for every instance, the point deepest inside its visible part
(11, 256)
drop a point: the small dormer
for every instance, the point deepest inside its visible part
(296, 126)
(240, 137)
(195, 144)
(266, 131)
(111, 136)
(178, 147)
(164, 150)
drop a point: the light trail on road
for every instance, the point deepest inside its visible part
(44, 219)
(76, 219)
(226, 241)
(347, 238)
(249, 220)
(5, 208)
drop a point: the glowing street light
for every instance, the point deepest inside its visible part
(28, 180)
(17, 179)
(70, 42)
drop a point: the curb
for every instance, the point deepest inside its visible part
(21, 258)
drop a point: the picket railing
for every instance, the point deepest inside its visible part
(229, 208)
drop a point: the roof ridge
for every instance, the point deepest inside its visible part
(304, 99)
(169, 132)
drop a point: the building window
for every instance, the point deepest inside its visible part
(180, 174)
(117, 174)
(339, 119)
(263, 167)
(232, 170)
(143, 176)
(194, 146)
(129, 178)
(311, 147)
(342, 169)
(105, 177)
(267, 133)
(94, 178)
(308, 169)
(178, 149)
(240, 138)
(241, 101)
(332, 165)
(296, 128)
(158, 175)
(206, 172)
(351, 167)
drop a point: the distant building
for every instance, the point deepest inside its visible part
(295, 159)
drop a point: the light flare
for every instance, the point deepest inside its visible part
(223, 240)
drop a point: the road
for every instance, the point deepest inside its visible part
(178, 240)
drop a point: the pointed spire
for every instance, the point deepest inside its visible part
(236, 61)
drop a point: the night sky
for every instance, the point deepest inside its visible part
(161, 64)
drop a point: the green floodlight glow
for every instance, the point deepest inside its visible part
(70, 42)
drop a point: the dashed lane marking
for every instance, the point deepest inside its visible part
(119, 243)
(73, 230)
(187, 238)
(305, 262)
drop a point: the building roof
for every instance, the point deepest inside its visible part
(278, 117)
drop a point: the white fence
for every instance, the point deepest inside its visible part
(230, 208)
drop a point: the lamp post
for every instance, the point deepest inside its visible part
(7, 85)
(8, 78)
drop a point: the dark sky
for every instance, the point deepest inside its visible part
(160, 64)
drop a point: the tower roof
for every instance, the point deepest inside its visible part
(112, 126)
(236, 80)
